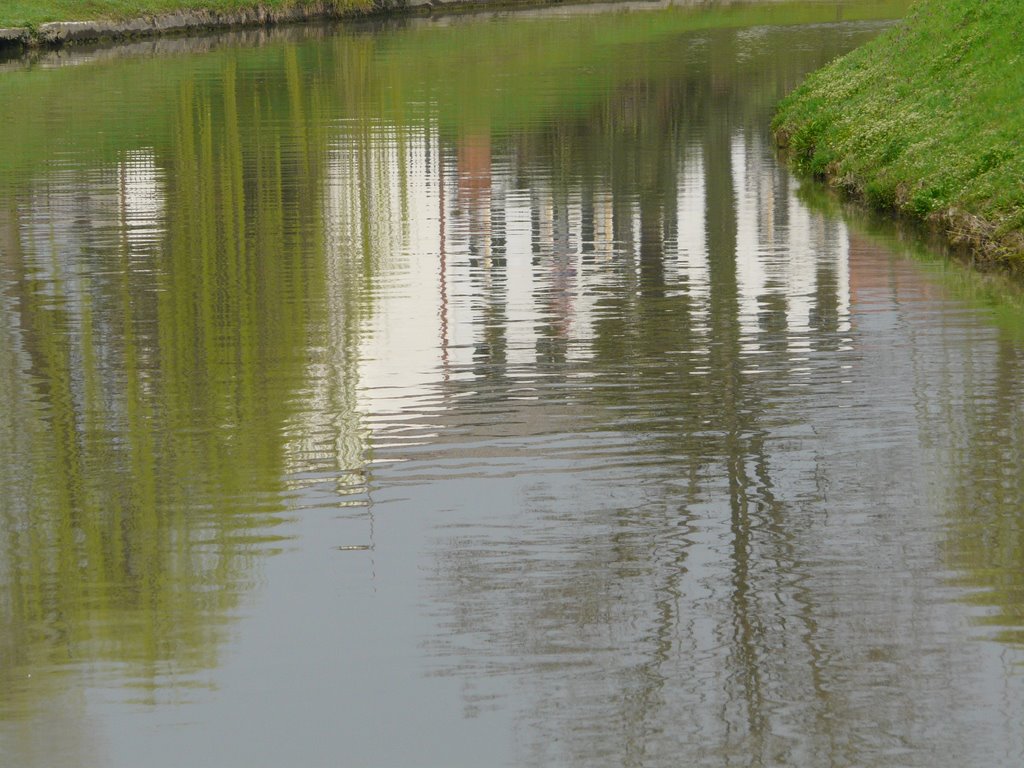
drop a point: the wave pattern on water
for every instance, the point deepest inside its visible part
(510, 407)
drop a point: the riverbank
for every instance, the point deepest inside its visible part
(926, 120)
(56, 23)
(60, 22)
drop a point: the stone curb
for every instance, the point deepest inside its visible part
(14, 36)
(58, 33)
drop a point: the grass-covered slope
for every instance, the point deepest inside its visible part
(927, 119)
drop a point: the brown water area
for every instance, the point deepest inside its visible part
(483, 391)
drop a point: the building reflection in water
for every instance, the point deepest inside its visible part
(682, 571)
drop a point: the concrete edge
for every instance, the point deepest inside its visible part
(14, 36)
(60, 33)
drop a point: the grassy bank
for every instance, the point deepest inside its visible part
(926, 120)
(31, 13)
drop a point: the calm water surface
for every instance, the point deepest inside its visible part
(479, 392)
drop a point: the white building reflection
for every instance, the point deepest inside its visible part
(487, 255)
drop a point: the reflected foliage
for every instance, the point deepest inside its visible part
(152, 357)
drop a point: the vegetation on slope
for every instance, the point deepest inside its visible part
(927, 120)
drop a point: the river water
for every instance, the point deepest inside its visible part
(482, 391)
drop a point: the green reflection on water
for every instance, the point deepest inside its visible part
(149, 388)
(985, 541)
(383, 72)
(150, 367)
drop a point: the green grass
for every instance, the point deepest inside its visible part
(926, 119)
(30, 13)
